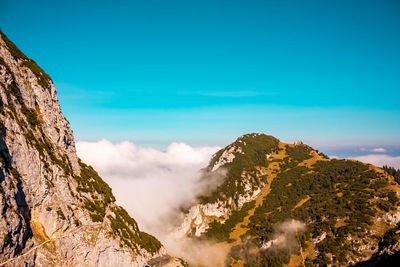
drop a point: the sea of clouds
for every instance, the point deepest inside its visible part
(150, 184)
(380, 160)
(153, 185)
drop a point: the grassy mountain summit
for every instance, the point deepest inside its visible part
(285, 204)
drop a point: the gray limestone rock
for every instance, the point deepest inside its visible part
(55, 210)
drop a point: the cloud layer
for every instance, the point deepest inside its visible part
(379, 150)
(149, 183)
(374, 150)
(380, 160)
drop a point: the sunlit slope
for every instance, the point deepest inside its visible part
(290, 204)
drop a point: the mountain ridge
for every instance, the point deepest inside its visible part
(56, 210)
(329, 202)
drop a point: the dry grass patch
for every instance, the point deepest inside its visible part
(301, 202)
(40, 234)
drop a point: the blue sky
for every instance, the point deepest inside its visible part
(205, 72)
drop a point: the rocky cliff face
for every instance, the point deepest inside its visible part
(290, 204)
(55, 210)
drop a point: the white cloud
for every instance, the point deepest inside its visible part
(380, 160)
(375, 150)
(379, 150)
(150, 184)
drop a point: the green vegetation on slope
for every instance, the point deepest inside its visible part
(90, 182)
(393, 172)
(254, 149)
(221, 231)
(336, 199)
(125, 227)
(338, 190)
(298, 153)
(44, 79)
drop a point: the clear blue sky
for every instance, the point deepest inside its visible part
(205, 72)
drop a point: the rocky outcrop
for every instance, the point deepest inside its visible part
(227, 156)
(198, 218)
(55, 209)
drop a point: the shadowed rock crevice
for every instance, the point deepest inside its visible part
(12, 178)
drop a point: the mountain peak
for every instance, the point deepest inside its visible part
(282, 203)
(241, 147)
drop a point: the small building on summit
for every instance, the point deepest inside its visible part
(298, 142)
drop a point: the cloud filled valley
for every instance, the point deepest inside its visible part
(149, 183)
